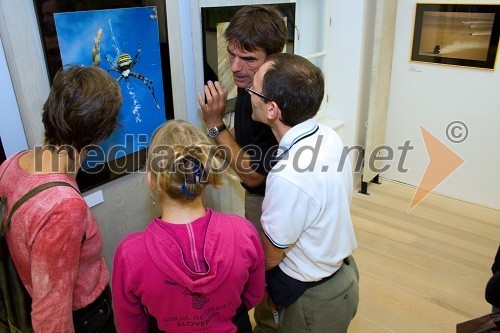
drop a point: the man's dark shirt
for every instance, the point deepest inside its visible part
(254, 137)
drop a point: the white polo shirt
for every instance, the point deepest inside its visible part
(306, 206)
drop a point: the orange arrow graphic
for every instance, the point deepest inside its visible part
(442, 162)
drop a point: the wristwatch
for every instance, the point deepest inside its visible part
(214, 131)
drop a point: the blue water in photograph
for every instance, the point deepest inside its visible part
(125, 43)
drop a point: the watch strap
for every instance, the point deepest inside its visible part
(214, 131)
(220, 128)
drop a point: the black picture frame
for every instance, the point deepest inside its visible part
(95, 176)
(2, 152)
(456, 34)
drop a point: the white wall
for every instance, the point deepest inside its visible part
(350, 44)
(11, 127)
(435, 97)
(345, 55)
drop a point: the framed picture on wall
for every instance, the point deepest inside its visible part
(127, 43)
(456, 34)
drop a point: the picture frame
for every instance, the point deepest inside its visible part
(2, 152)
(65, 25)
(456, 34)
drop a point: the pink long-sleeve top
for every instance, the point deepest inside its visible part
(55, 245)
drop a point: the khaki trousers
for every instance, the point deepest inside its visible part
(263, 317)
(328, 307)
(253, 209)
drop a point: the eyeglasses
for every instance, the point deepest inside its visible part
(258, 94)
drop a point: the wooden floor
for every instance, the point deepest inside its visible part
(422, 271)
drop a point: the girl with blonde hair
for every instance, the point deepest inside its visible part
(192, 269)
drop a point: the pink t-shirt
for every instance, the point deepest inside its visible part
(56, 247)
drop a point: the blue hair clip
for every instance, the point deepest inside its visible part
(186, 192)
(192, 174)
(192, 170)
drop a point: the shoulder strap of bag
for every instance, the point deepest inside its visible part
(3, 200)
(32, 193)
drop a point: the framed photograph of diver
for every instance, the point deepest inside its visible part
(126, 42)
(456, 34)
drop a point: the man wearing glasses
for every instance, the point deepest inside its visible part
(308, 236)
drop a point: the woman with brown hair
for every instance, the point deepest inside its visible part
(53, 238)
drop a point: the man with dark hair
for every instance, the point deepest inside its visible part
(308, 236)
(254, 33)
